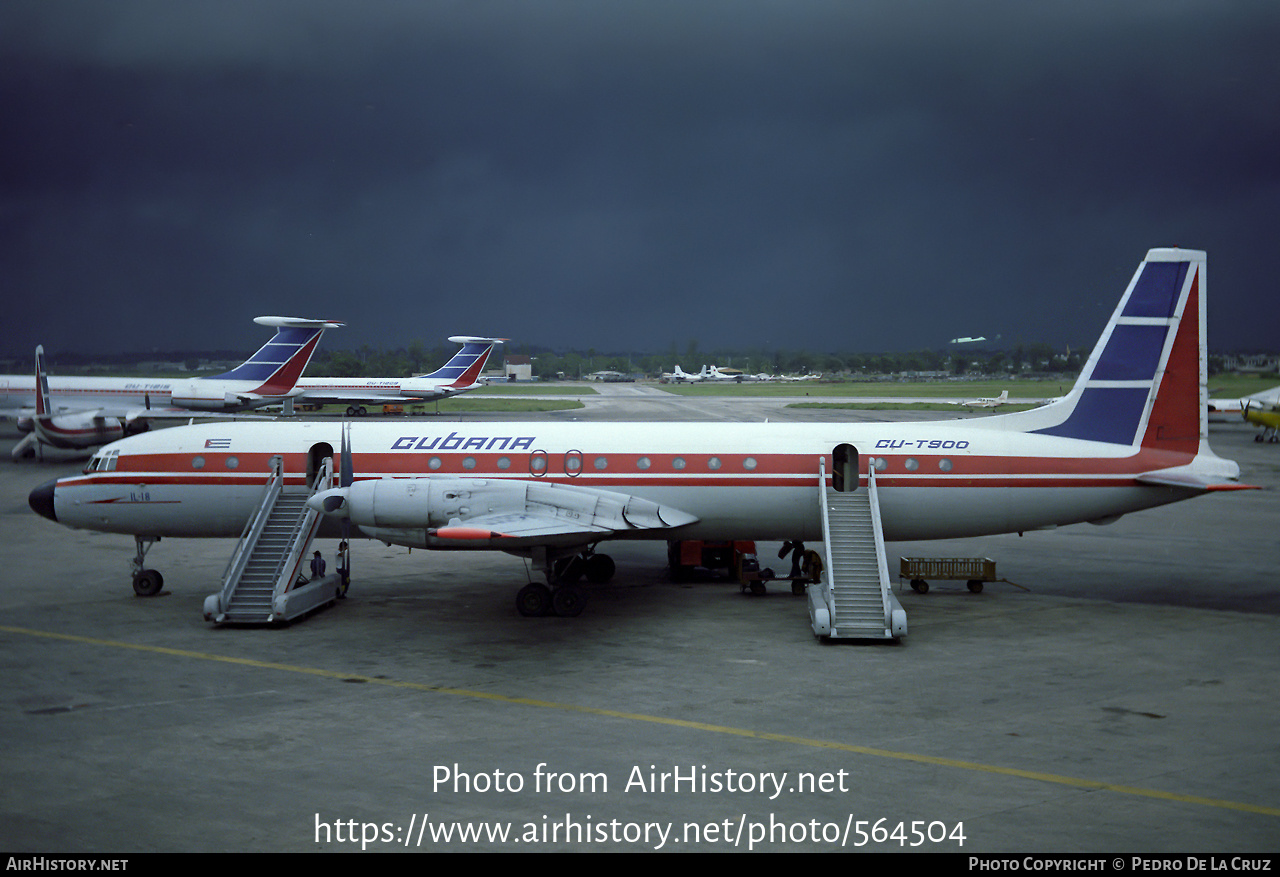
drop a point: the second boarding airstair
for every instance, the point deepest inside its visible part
(854, 599)
(266, 580)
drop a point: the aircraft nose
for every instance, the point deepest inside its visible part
(41, 499)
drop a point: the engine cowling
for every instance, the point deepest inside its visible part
(85, 430)
(201, 394)
(481, 512)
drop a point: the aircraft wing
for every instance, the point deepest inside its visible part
(519, 527)
(492, 513)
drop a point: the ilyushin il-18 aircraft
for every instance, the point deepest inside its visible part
(1130, 435)
(84, 412)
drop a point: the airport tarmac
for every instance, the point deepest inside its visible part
(1119, 699)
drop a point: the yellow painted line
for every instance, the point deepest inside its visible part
(957, 764)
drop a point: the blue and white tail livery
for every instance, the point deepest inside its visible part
(1144, 387)
(277, 365)
(267, 377)
(1152, 348)
(460, 374)
(84, 412)
(463, 370)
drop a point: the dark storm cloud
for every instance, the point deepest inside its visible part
(837, 175)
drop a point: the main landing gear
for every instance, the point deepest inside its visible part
(146, 582)
(561, 595)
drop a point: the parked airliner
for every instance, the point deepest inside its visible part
(1130, 435)
(460, 374)
(84, 412)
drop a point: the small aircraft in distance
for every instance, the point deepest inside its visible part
(1267, 418)
(84, 412)
(987, 401)
(1222, 410)
(1130, 435)
(460, 374)
(680, 376)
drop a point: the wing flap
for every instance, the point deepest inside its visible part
(515, 529)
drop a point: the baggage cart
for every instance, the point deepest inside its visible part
(972, 570)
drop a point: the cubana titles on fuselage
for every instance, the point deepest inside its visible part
(1129, 436)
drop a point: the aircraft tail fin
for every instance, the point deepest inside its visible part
(1145, 384)
(77, 429)
(464, 368)
(278, 364)
(43, 405)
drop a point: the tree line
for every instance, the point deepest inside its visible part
(548, 364)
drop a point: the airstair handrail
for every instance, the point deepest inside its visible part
(828, 591)
(253, 529)
(881, 562)
(308, 522)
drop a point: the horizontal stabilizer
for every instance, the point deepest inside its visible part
(1190, 482)
(298, 323)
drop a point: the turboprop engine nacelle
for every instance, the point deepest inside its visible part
(83, 430)
(202, 394)
(484, 513)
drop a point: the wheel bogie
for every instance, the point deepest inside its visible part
(567, 602)
(533, 600)
(147, 583)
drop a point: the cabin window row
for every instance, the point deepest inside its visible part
(911, 464)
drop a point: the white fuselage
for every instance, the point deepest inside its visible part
(130, 397)
(376, 389)
(935, 480)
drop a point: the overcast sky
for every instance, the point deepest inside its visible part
(804, 174)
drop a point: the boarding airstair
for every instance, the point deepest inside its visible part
(267, 579)
(854, 599)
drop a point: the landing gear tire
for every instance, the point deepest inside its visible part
(920, 586)
(567, 602)
(147, 583)
(600, 568)
(533, 600)
(567, 570)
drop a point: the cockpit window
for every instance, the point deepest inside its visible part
(103, 461)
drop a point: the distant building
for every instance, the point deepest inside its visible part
(518, 367)
(1256, 362)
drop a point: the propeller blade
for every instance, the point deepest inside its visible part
(347, 474)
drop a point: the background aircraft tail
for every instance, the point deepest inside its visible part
(77, 429)
(42, 384)
(279, 363)
(464, 368)
(1144, 385)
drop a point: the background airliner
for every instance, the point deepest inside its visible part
(83, 412)
(1130, 435)
(460, 374)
